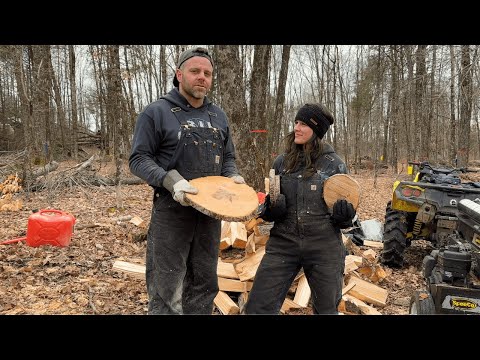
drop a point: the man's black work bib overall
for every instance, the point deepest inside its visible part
(182, 249)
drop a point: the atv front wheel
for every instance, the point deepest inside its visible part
(421, 303)
(394, 237)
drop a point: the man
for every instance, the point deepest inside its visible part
(182, 136)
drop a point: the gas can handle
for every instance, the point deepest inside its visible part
(50, 211)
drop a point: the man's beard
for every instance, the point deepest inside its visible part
(197, 94)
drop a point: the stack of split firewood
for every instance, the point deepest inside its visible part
(242, 246)
(361, 294)
(8, 190)
(235, 275)
(363, 275)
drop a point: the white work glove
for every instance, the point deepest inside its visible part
(179, 190)
(238, 179)
(178, 186)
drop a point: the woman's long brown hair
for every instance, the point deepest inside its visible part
(297, 154)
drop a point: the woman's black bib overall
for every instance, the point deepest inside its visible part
(306, 238)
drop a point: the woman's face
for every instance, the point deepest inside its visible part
(303, 132)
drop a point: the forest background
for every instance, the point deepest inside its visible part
(392, 103)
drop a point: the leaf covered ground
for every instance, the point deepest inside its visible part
(79, 279)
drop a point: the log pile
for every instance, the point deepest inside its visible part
(361, 293)
(89, 138)
(8, 189)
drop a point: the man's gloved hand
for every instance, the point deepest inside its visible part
(343, 213)
(178, 186)
(238, 179)
(179, 190)
(274, 213)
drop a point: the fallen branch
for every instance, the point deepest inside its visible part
(111, 182)
(110, 222)
(51, 166)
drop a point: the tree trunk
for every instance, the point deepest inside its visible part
(25, 109)
(73, 95)
(274, 137)
(258, 106)
(466, 97)
(420, 119)
(232, 100)
(114, 115)
(428, 133)
(395, 109)
(453, 147)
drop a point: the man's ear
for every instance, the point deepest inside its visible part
(179, 74)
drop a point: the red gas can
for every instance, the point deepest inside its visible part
(53, 227)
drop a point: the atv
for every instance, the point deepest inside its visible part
(451, 273)
(425, 208)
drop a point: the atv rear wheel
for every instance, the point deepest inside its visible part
(421, 303)
(394, 237)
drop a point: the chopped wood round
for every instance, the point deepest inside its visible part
(341, 186)
(221, 198)
(274, 183)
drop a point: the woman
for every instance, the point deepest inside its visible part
(304, 234)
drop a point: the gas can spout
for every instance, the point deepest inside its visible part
(11, 241)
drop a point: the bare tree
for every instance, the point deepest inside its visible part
(397, 97)
(258, 107)
(114, 115)
(231, 97)
(394, 108)
(275, 127)
(453, 147)
(97, 58)
(428, 127)
(73, 96)
(419, 114)
(466, 95)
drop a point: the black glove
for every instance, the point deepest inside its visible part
(343, 214)
(275, 212)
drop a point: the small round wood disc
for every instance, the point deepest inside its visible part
(341, 186)
(221, 198)
(274, 183)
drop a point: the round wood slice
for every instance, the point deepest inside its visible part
(341, 186)
(274, 183)
(220, 198)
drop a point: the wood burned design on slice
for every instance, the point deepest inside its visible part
(223, 194)
(221, 198)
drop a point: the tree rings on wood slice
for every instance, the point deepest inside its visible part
(341, 186)
(221, 198)
(274, 183)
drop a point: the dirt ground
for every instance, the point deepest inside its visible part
(79, 279)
